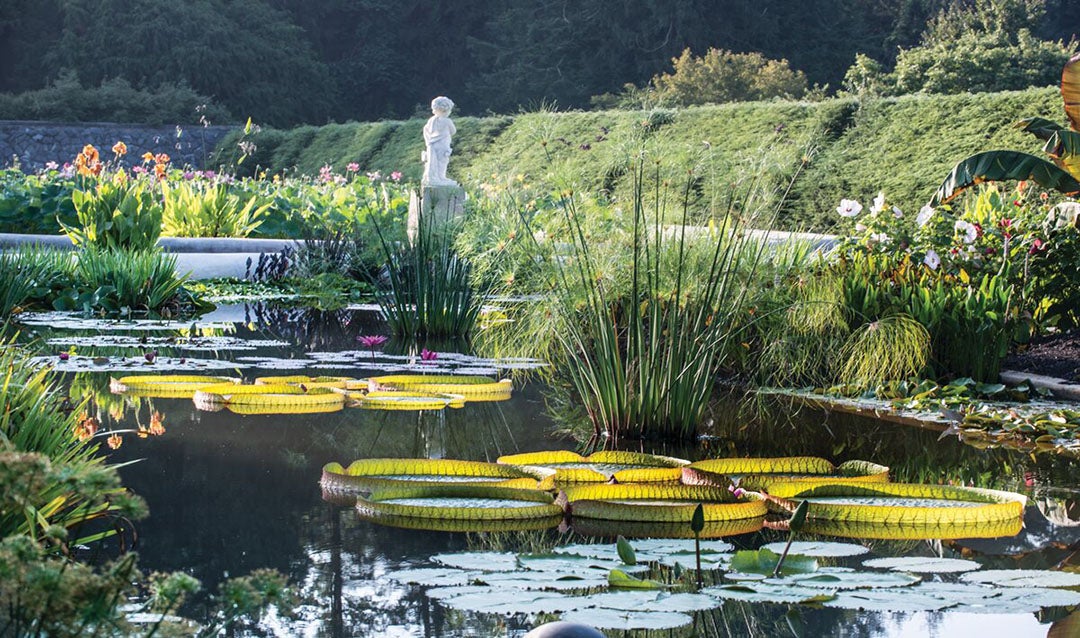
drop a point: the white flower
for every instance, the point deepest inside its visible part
(925, 213)
(849, 208)
(932, 260)
(897, 213)
(540, 236)
(968, 229)
(879, 204)
(860, 227)
(881, 238)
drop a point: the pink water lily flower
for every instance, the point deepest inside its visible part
(428, 355)
(372, 341)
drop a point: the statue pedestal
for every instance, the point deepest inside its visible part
(437, 205)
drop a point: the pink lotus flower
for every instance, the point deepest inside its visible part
(396, 176)
(352, 167)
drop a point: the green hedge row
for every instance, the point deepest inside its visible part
(904, 146)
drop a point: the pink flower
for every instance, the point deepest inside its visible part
(51, 166)
(428, 355)
(150, 356)
(396, 176)
(372, 341)
(64, 356)
(138, 170)
(1036, 246)
(352, 167)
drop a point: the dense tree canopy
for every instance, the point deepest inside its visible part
(290, 61)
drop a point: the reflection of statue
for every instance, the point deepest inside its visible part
(437, 133)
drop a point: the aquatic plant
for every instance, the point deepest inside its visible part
(113, 279)
(32, 274)
(426, 289)
(641, 320)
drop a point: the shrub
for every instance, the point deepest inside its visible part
(724, 76)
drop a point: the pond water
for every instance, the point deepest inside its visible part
(231, 493)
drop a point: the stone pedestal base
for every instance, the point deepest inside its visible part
(437, 205)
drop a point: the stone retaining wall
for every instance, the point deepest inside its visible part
(32, 144)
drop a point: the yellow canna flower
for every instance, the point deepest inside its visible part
(120, 149)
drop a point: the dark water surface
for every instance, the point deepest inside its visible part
(230, 493)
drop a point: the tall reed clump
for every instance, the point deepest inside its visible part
(426, 288)
(642, 356)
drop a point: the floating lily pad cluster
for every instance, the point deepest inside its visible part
(612, 493)
(593, 584)
(300, 394)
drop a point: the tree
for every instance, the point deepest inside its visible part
(723, 76)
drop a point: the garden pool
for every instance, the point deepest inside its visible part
(231, 493)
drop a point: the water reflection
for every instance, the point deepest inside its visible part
(231, 493)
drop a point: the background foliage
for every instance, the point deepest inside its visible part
(286, 62)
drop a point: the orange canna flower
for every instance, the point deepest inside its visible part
(159, 171)
(142, 433)
(115, 441)
(161, 158)
(119, 148)
(147, 157)
(156, 420)
(90, 152)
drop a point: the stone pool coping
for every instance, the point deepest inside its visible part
(199, 257)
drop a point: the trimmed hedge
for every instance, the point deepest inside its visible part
(904, 146)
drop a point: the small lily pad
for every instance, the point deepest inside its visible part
(979, 599)
(764, 560)
(843, 578)
(923, 565)
(627, 620)
(542, 580)
(433, 576)
(1023, 578)
(761, 592)
(647, 601)
(891, 599)
(819, 549)
(479, 561)
(496, 600)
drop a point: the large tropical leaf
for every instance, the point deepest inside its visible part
(992, 166)
(1064, 147)
(1070, 90)
(1040, 127)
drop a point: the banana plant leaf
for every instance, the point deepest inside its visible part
(1070, 90)
(1064, 147)
(1040, 127)
(992, 166)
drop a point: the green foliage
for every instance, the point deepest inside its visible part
(892, 347)
(427, 289)
(34, 203)
(30, 275)
(197, 209)
(115, 213)
(114, 280)
(723, 76)
(66, 99)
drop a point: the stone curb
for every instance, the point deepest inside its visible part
(1061, 388)
(168, 244)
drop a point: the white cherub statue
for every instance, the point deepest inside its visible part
(437, 133)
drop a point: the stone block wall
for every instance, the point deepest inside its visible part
(32, 144)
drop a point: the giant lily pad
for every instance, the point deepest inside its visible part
(571, 468)
(760, 473)
(658, 503)
(903, 503)
(370, 474)
(459, 502)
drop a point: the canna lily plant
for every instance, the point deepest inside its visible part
(1062, 145)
